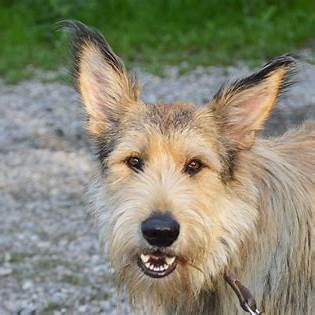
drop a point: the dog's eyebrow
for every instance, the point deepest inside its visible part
(124, 150)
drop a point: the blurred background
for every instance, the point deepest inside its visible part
(156, 33)
(50, 259)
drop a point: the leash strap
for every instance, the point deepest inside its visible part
(247, 300)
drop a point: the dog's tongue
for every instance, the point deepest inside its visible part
(157, 255)
(161, 258)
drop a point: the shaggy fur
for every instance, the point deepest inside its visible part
(250, 208)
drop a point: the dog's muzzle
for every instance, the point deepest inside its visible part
(160, 231)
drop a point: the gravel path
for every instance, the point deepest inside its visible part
(50, 261)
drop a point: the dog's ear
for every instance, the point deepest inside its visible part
(241, 108)
(100, 77)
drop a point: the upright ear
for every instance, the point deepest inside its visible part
(101, 78)
(241, 108)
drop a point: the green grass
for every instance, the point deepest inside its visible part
(51, 308)
(155, 33)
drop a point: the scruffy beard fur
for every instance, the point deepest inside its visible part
(201, 254)
(249, 208)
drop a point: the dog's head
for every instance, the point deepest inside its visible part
(169, 197)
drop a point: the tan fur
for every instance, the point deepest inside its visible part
(99, 80)
(250, 209)
(265, 217)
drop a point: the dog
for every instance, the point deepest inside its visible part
(186, 193)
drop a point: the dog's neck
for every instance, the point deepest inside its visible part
(267, 264)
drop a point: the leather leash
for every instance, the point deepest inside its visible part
(247, 300)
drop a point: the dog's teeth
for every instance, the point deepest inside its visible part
(145, 258)
(157, 267)
(170, 260)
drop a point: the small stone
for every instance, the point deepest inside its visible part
(27, 311)
(5, 271)
(27, 285)
(82, 308)
(7, 257)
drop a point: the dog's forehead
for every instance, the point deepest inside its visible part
(170, 116)
(170, 126)
(168, 120)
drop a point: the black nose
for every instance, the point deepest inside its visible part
(160, 230)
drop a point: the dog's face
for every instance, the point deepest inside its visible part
(169, 199)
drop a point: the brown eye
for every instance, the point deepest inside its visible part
(135, 163)
(193, 167)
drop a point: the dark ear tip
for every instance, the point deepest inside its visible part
(288, 61)
(80, 32)
(71, 26)
(82, 35)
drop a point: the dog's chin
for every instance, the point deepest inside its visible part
(157, 264)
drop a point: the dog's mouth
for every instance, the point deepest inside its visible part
(157, 264)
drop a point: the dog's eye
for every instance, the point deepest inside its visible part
(193, 167)
(135, 163)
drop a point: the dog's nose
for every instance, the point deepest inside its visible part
(160, 230)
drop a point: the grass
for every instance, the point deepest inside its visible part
(18, 257)
(155, 33)
(51, 308)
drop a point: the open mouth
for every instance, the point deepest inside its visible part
(157, 264)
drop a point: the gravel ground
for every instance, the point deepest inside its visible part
(50, 260)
